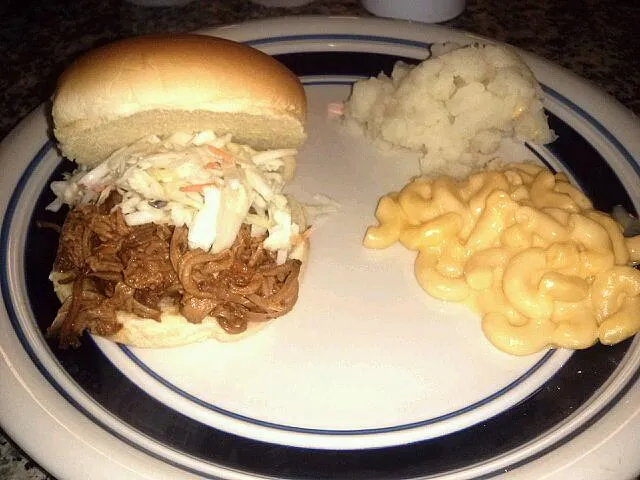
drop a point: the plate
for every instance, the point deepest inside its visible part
(367, 377)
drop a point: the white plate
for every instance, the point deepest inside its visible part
(365, 360)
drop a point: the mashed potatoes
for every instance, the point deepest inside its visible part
(455, 108)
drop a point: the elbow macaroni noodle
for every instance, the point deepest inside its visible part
(525, 249)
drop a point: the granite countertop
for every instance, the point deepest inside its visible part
(596, 39)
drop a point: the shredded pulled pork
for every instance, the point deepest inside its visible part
(140, 269)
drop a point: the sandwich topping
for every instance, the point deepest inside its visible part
(204, 182)
(191, 223)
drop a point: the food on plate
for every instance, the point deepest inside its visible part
(455, 109)
(179, 229)
(522, 247)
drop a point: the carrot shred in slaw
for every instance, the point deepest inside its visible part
(226, 157)
(196, 187)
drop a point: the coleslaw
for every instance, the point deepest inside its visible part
(202, 181)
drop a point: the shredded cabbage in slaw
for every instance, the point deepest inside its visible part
(203, 181)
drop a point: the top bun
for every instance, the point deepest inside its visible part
(161, 84)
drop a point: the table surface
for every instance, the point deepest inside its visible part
(596, 39)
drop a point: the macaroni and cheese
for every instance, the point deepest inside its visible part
(525, 249)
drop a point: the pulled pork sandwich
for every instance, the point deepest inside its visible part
(178, 228)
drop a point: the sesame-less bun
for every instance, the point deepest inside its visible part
(161, 84)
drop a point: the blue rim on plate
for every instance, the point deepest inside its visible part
(511, 429)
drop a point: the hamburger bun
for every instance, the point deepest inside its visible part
(160, 84)
(174, 329)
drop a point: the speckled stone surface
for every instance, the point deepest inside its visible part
(596, 39)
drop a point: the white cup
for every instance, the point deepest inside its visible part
(429, 11)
